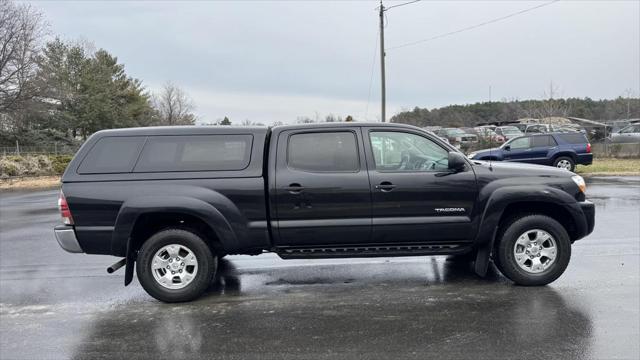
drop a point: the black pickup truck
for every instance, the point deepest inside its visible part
(173, 200)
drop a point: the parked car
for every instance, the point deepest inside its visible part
(547, 128)
(457, 136)
(508, 132)
(574, 127)
(173, 200)
(629, 134)
(617, 125)
(562, 150)
(521, 126)
(489, 135)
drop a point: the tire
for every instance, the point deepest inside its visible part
(169, 280)
(535, 268)
(565, 162)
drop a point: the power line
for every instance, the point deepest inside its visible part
(403, 4)
(373, 65)
(473, 26)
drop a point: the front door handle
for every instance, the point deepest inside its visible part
(385, 186)
(294, 188)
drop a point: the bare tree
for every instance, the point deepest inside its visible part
(22, 29)
(174, 106)
(552, 107)
(305, 119)
(629, 94)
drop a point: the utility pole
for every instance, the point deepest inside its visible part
(382, 77)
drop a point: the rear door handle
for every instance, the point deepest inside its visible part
(294, 188)
(385, 186)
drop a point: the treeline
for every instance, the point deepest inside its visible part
(473, 114)
(57, 91)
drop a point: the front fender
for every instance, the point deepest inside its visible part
(132, 209)
(497, 202)
(502, 197)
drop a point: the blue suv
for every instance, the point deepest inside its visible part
(562, 150)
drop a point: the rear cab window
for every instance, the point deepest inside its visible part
(195, 153)
(112, 155)
(168, 153)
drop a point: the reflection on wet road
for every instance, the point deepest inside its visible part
(59, 305)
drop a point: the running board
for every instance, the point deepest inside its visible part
(372, 251)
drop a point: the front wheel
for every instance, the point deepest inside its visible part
(533, 250)
(175, 265)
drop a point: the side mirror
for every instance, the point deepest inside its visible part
(457, 162)
(507, 147)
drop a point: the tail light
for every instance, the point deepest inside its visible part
(588, 147)
(64, 209)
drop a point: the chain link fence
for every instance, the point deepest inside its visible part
(616, 150)
(55, 149)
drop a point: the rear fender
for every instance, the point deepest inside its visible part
(131, 210)
(570, 154)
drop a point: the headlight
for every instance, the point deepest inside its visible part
(580, 182)
(472, 155)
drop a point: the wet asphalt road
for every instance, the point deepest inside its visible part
(59, 305)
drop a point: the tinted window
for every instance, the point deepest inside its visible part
(195, 153)
(330, 151)
(399, 151)
(542, 141)
(576, 138)
(112, 155)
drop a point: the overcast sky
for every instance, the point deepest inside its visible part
(268, 61)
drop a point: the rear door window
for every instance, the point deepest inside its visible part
(195, 153)
(542, 141)
(112, 155)
(323, 152)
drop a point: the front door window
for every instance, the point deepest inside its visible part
(399, 151)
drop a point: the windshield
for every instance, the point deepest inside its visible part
(455, 132)
(485, 131)
(511, 130)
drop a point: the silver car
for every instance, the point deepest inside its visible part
(629, 134)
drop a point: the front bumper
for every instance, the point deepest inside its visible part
(589, 211)
(67, 240)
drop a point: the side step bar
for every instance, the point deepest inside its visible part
(372, 251)
(111, 269)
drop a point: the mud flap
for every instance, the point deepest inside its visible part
(128, 270)
(482, 259)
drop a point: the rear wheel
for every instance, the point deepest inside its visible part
(533, 250)
(565, 162)
(175, 265)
